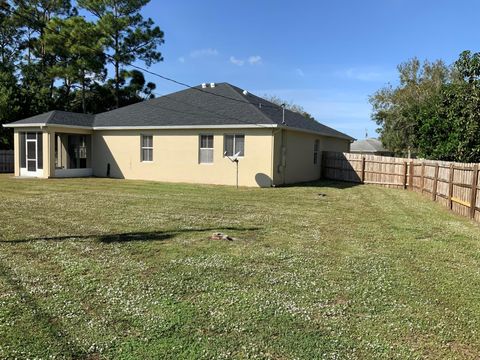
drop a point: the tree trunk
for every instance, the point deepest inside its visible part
(84, 107)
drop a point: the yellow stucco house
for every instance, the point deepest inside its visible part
(191, 136)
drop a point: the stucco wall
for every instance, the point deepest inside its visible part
(176, 157)
(297, 163)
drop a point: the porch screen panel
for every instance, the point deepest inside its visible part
(31, 154)
(39, 151)
(23, 157)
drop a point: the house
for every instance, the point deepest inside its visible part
(187, 136)
(369, 146)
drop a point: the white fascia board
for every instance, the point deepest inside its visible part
(177, 127)
(346, 137)
(23, 125)
(46, 125)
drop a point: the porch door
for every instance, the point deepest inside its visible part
(32, 163)
(31, 151)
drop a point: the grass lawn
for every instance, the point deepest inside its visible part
(98, 268)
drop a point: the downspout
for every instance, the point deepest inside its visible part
(274, 167)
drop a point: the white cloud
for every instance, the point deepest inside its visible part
(365, 74)
(181, 59)
(199, 53)
(299, 72)
(236, 61)
(252, 60)
(255, 60)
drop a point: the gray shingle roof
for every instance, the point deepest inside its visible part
(193, 107)
(367, 145)
(57, 117)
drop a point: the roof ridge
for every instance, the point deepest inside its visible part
(233, 87)
(50, 117)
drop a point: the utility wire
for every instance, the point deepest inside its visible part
(277, 107)
(263, 104)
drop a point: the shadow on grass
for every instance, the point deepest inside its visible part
(50, 325)
(335, 184)
(130, 236)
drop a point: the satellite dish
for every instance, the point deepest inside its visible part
(235, 157)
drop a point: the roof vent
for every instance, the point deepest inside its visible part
(204, 85)
(259, 105)
(245, 92)
(212, 85)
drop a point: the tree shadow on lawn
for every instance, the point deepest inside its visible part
(50, 325)
(130, 236)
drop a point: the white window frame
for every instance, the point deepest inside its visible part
(145, 148)
(234, 144)
(200, 149)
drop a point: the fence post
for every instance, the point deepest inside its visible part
(435, 182)
(450, 186)
(363, 170)
(422, 186)
(473, 194)
(410, 180)
(405, 166)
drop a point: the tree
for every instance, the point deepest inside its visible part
(398, 110)
(76, 46)
(127, 34)
(289, 105)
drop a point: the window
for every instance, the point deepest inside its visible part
(234, 144)
(315, 151)
(147, 148)
(206, 149)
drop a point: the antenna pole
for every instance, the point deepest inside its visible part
(283, 114)
(236, 162)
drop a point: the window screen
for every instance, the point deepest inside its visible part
(39, 151)
(147, 148)
(234, 144)
(23, 158)
(206, 149)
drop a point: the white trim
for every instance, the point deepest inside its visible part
(23, 125)
(179, 127)
(39, 125)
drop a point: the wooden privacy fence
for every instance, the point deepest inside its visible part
(6, 161)
(454, 185)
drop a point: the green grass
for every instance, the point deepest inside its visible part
(97, 268)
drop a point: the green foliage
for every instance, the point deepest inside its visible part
(434, 111)
(126, 34)
(52, 58)
(290, 105)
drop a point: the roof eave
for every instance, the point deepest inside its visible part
(180, 127)
(344, 136)
(24, 125)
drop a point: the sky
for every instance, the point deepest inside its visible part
(327, 56)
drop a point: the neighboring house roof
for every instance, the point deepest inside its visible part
(367, 146)
(222, 105)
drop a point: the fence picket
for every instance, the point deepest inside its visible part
(6, 161)
(454, 185)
